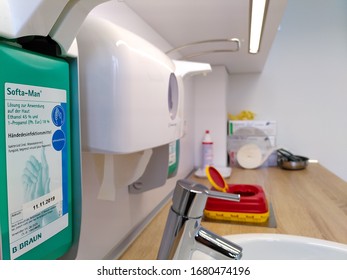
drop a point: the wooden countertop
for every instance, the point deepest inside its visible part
(310, 202)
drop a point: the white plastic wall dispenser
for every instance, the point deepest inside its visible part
(131, 99)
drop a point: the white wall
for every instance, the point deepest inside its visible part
(210, 113)
(303, 85)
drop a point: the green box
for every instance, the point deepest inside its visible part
(35, 180)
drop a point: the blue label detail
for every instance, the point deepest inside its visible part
(58, 140)
(58, 115)
(65, 165)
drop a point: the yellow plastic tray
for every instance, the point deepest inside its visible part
(237, 217)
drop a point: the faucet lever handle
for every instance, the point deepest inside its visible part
(223, 195)
(189, 199)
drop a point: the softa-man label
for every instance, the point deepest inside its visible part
(36, 158)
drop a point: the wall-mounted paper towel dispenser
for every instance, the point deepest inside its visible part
(131, 100)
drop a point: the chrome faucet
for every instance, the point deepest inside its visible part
(183, 232)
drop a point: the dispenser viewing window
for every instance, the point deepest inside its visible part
(173, 96)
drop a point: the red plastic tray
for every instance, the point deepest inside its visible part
(252, 200)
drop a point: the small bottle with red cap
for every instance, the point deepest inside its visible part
(207, 150)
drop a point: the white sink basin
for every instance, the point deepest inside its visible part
(284, 247)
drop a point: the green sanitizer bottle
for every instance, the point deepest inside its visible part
(174, 151)
(35, 184)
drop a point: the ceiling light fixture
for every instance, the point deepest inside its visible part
(258, 11)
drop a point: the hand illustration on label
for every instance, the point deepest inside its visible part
(36, 182)
(36, 177)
